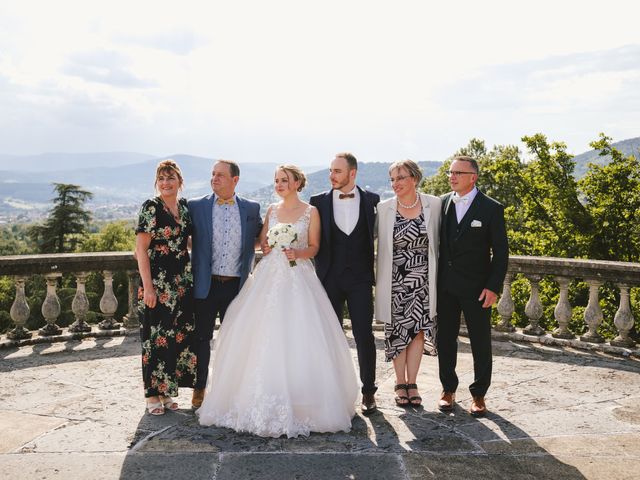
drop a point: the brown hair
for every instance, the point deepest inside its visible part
(350, 158)
(410, 166)
(169, 166)
(295, 172)
(234, 168)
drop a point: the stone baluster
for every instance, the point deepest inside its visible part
(130, 320)
(562, 312)
(19, 312)
(623, 320)
(533, 309)
(51, 306)
(593, 313)
(80, 305)
(506, 307)
(108, 303)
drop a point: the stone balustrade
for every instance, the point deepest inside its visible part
(623, 275)
(52, 266)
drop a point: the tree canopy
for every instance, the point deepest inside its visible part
(67, 222)
(551, 213)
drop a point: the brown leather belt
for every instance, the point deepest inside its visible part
(222, 278)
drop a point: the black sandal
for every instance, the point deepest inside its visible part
(416, 400)
(402, 400)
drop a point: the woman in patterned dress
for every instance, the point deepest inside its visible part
(166, 315)
(408, 228)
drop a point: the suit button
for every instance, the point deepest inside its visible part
(450, 263)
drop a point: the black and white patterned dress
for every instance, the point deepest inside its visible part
(409, 288)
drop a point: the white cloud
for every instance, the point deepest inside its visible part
(286, 79)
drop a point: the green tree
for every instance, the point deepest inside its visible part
(67, 222)
(612, 197)
(113, 237)
(557, 223)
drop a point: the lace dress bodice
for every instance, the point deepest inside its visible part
(301, 226)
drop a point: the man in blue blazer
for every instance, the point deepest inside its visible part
(226, 228)
(344, 263)
(474, 255)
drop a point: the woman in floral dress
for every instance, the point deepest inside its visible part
(166, 319)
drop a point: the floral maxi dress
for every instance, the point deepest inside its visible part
(165, 330)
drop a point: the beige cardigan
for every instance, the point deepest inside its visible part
(384, 263)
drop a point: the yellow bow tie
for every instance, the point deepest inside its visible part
(222, 201)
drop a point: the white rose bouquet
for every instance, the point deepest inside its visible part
(282, 235)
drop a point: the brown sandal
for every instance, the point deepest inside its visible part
(402, 400)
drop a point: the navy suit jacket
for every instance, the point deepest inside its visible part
(324, 203)
(477, 257)
(200, 210)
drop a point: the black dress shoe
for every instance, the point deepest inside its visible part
(368, 403)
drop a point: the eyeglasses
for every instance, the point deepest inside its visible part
(456, 173)
(399, 178)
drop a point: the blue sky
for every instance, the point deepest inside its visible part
(297, 81)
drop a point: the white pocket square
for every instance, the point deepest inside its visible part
(476, 223)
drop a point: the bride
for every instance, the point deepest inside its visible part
(281, 364)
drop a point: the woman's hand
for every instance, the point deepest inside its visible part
(291, 253)
(150, 297)
(264, 246)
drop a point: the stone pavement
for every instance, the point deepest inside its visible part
(75, 410)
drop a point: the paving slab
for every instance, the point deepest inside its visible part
(76, 410)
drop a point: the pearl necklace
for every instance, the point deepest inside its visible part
(409, 206)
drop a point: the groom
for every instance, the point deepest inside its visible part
(225, 234)
(344, 263)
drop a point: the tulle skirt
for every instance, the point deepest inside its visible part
(281, 364)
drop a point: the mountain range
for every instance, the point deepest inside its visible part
(120, 181)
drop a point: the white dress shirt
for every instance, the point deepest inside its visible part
(463, 205)
(346, 211)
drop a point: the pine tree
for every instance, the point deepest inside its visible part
(67, 221)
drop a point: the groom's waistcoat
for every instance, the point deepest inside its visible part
(352, 251)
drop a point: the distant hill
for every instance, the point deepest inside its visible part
(116, 186)
(68, 161)
(628, 147)
(371, 176)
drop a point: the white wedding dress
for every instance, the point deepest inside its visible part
(281, 364)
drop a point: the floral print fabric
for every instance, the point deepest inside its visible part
(168, 361)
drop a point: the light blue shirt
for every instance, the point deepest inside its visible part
(227, 239)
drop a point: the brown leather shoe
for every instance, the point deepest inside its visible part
(447, 401)
(478, 407)
(368, 403)
(197, 398)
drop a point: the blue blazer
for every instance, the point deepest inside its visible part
(200, 210)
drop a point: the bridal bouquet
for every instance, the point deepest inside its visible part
(282, 235)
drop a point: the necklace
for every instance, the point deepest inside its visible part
(409, 206)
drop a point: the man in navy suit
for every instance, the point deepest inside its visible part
(474, 255)
(226, 228)
(344, 263)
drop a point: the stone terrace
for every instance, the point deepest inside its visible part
(75, 410)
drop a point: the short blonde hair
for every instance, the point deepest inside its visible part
(410, 166)
(296, 173)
